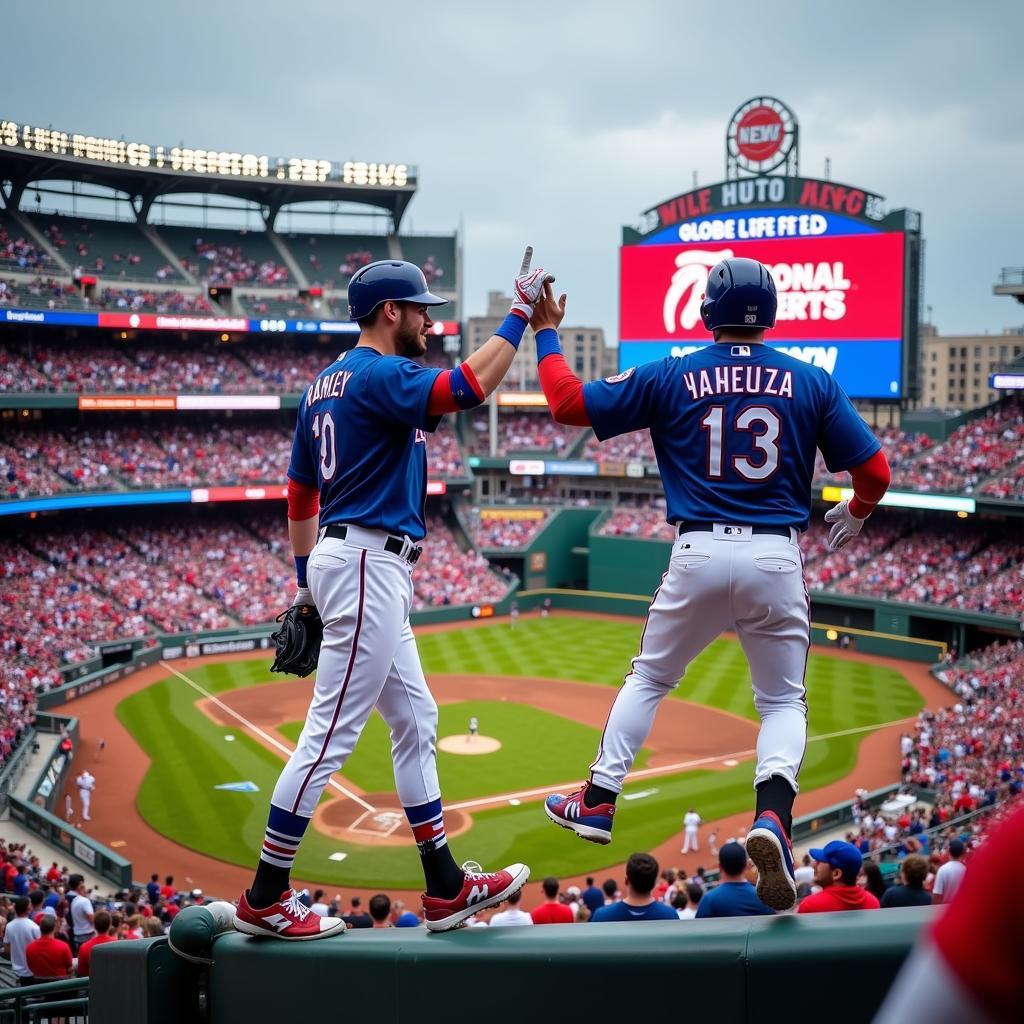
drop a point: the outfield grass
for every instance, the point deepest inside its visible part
(190, 754)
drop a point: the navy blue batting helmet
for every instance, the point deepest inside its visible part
(740, 293)
(388, 280)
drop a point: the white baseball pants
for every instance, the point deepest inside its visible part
(368, 658)
(752, 583)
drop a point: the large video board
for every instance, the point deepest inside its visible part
(846, 268)
(841, 302)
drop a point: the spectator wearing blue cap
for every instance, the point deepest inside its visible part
(734, 896)
(407, 920)
(835, 870)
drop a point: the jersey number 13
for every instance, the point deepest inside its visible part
(764, 426)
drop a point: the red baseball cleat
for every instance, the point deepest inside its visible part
(289, 919)
(479, 891)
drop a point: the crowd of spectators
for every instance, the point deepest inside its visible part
(222, 264)
(352, 262)
(634, 447)
(901, 449)
(522, 432)
(137, 300)
(432, 270)
(19, 253)
(988, 447)
(444, 457)
(645, 521)
(445, 574)
(497, 527)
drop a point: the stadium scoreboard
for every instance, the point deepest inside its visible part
(847, 270)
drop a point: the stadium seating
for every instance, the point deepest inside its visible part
(634, 447)
(505, 528)
(106, 248)
(221, 257)
(330, 260)
(434, 255)
(18, 252)
(521, 432)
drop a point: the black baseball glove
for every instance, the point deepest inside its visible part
(297, 642)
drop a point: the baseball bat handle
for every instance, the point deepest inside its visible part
(527, 260)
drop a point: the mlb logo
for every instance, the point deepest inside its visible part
(750, 318)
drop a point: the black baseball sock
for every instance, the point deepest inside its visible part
(270, 882)
(776, 794)
(443, 876)
(594, 795)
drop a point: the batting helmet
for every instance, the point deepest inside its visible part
(388, 280)
(740, 293)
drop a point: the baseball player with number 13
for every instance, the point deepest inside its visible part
(356, 491)
(735, 427)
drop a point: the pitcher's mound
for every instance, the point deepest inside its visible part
(464, 743)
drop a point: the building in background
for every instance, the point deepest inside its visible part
(955, 370)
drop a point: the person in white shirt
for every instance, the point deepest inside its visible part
(513, 915)
(81, 911)
(693, 897)
(318, 906)
(804, 873)
(20, 932)
(950, 875)
(86, 783)
(691, 823)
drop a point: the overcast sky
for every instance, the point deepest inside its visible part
(556, 124)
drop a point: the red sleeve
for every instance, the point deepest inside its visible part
(303, 501)
(870, 482)
(563, 390)
(442, 400)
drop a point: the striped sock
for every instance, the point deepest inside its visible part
(427, 821)
(281, 840)
(443, 876)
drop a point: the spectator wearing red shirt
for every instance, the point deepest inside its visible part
(836, 870)
(48, 958)
(54, 874)
(102, 925)
(167, 890)
(551, 911)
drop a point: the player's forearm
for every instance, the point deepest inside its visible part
(492, 360)
(562, 388)
(870, 482)
(303, 524)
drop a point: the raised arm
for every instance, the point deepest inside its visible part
(468, 384)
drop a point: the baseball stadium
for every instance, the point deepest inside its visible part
(164, 311)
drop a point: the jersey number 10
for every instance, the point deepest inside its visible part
(323, 428)
(764, 426)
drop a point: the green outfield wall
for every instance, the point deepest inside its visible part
(757, 970)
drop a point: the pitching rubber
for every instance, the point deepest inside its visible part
(775, 888)
(588, 832)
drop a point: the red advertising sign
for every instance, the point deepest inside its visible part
(829, 287)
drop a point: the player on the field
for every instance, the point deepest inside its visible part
(356, 491)
(735, 427)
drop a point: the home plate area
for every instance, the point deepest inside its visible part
(384, 825)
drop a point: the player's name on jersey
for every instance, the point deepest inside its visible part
(739, 380)
(331, 386)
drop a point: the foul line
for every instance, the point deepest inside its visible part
(667, 769)
(277, 744)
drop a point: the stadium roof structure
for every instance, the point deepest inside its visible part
(145, 173)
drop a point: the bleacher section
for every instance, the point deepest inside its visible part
(220, 256)
(330, 260)
(434, 255)
(106, 248)
(18, 252)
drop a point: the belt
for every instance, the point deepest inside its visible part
(709, 527)
(395, 545)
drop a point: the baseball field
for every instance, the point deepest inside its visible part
(216, 734)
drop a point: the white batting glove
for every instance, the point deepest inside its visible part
(845, 526)
(528, 288)
(303, 596)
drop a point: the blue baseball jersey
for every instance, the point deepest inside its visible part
(735, 428)
(361, 439)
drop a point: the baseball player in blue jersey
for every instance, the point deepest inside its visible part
(356, 492)
(735, 427)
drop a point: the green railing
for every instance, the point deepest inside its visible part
(66, 1001)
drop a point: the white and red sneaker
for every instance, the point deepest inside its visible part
(289, 919)
(480, 890)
